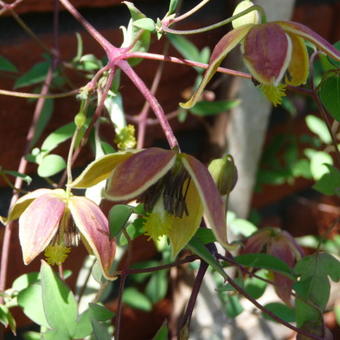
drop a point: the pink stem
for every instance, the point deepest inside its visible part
(150, 98)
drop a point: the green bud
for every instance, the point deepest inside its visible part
(224, 173)
(249, 18)
(80, 119)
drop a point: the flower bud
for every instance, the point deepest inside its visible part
(249, 18)
(80, 119)
(224, 173)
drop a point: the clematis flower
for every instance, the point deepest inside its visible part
(52, 221)
(176, 189)
(274, 53)
(279, 243)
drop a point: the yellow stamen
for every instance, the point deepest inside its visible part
(125, 138)
(274, 93)
(158, 223)
(56, 254)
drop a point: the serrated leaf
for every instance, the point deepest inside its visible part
(157, 286)
(330, 95)
(145, 24)
(118, 217)
(319, 127)
(205, 108)
(136, 299)
(51, 165)
(61, 315)
(265, 261)
(281, 310)
(329, 183)
(30, 300)
(6, 65)
(33, 76)
(57, 137)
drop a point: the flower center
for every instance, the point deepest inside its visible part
(172, 189)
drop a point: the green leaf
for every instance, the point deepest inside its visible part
(162, 333)
(32, 335)
(57, 137)
(13, 173)
(131, 32)
(51, 165)
(281, 310)
(145, 24)
(6, 318)
(100, 331)
(337, 314)
(172, 7)
(233, 306)
(157, 286)
(44, 118)
(318, 163)
(329, 183)
(186, 48)
(315, 289)
(118, 217)
(197, 247)
(305, 313)
(34, 76)
(30, 300)
(335, 62)
(89, 62)
(265, 261)
(6, 65)
(25, 280)
(55, 334)
(242, 227)
(254, 286)
(319, 264)
(205, 235)
(319, 127)
(62, 313)
(136, 299)
(205, 108)
(99, 312)
(330, 95)
(83, 326)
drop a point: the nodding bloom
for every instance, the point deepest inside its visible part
(53, 220)
(176, 189)
(274, 53)
(279, 243)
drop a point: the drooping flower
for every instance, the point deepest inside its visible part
(53, 220)
(275, 54)
(176, 189)
(279, 243)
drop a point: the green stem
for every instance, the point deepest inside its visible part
(218, 24)
(69, 160)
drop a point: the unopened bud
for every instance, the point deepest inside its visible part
(224, 173)
(249, 18)
(80, 119)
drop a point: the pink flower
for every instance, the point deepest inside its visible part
(53, 220)
(176, 189)
(279, 243)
